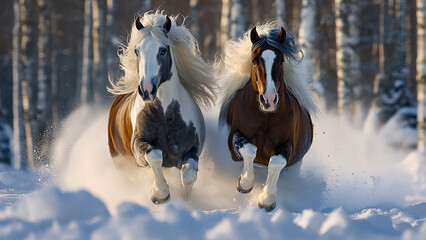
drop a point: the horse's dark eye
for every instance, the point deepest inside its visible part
(163, 52)
(254, 63)
(136, 52)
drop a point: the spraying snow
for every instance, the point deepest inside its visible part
(349, 184)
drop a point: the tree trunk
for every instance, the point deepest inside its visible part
(20, 151)
(99, 51)
(324, 53)
(307, 37)
(193, 10)
(147, 5)
(280, 5)
(29, 78)
(421, 73)
(87, 72)
(44, 113)
(392, 92)
(238, 19)
(224, 22)
(111, 36)
(347, 60)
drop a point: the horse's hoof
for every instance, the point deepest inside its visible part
(242, 190)
(267, 208)
(157, 201)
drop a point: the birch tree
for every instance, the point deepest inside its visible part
(111, 35)
(307, 37)
(224, 22)
(29, 78)
(238, 17)
(421, 73)
(87, 72)
(193, 10)
(20, 153)
(280, 5)
(44, 113)
(99, 50)
(347, 60)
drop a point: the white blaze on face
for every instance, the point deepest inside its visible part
(269, 57)
(148, 63)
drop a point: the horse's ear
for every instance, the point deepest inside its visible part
(253, 35)
(281, 36)
(167, 25)
(139, 25)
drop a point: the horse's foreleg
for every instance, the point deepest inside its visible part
(188, 174)
(267, 198)
(145, 154)
(248, 152)
(160, 190)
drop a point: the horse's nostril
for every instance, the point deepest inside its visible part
(275, 99)
(140, 91)
(262, 99)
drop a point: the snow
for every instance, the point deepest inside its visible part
(350, 185)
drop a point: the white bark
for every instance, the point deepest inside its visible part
(99, 51)
(238, 19)
(87, 74)
(112, 60)
(224, 22)
(306, 33)
(421, 73)
(20, 155)
(347, 59)
(280, 5)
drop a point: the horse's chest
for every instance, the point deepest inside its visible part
(167, 131)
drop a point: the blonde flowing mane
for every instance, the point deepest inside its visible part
(234, 67)
(194, 73)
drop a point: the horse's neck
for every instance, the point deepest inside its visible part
(170, 89)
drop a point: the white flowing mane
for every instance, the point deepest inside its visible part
(194, 73)
(235, 69)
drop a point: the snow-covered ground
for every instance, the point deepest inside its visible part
(350, 185)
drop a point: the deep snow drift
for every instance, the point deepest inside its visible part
(350, 184)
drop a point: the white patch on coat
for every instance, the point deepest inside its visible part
(136, 109)
(171, 90)
(269, 57)
(148, 63)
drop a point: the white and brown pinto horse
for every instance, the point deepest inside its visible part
(155, 119)
(266, 107)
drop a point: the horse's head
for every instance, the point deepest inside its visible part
(154, 63)
(267, 75)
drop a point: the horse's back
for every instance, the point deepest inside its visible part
(119, 126)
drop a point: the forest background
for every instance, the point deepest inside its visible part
(367, 59)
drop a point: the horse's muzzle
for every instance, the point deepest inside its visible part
(268, 101)
(147, 96)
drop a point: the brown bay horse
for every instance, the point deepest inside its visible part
(268, 112)
(155, 120)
